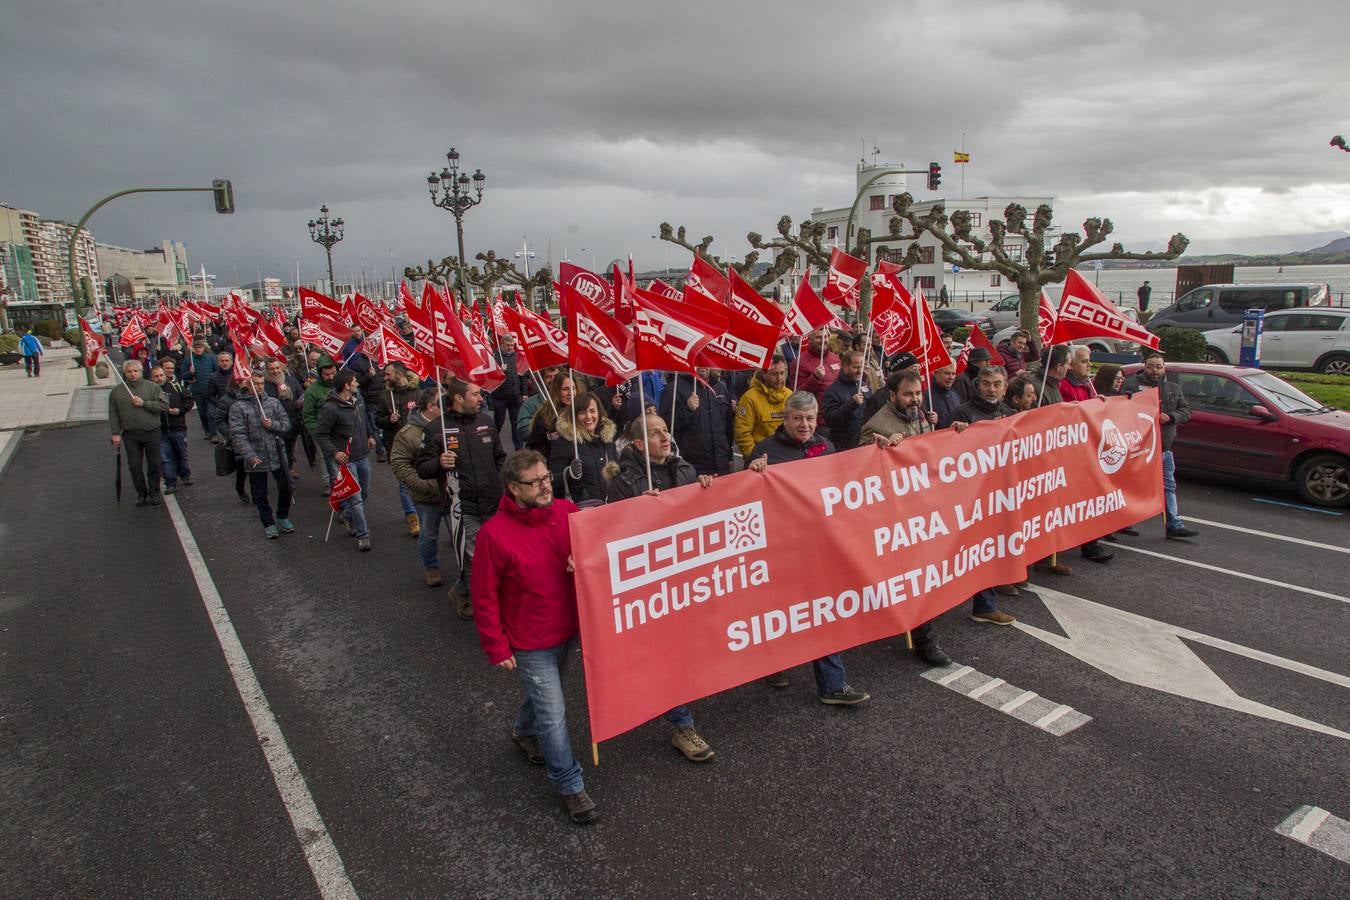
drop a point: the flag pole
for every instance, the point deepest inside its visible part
(646, 442)
(674, 386)
(576, 452)
(797, 375)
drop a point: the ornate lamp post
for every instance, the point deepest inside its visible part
(455, 198)
(325, 232)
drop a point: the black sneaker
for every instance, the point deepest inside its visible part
(777, 680)
(580, 808)
(154, 500)
(530, 747)
(932, 654)
(169, 489)
(186, 481)
(1176, 534)
(845, 696)
(1097, 554)
(1131, 531)
(141, 501)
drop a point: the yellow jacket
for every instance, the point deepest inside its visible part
(758, 414)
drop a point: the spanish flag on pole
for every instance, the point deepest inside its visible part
(959, 157)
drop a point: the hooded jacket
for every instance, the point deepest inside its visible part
(341, 427)
(889, 421)
(807, 365)
(631, 480)
(599, 461)
(250, 440)
(758, 414)
(315, 394)
(478, 460)
(523, 596)
(1013, 361)
(403, 461)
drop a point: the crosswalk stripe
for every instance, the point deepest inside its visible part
(1020, 700)
(1053, 718)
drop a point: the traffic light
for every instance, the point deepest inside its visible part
(224, 194)
(934, 176)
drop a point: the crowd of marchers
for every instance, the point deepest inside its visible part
(577, 443)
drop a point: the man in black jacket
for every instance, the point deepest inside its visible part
(702, 426)
(507, 398)
(217, 386)
(844, 401)
(174, 463)
(1173, 410)
(470, 448)
(796, 439)
(342, 435)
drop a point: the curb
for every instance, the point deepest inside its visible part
(10, 448)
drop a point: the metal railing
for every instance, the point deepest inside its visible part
(973, 300)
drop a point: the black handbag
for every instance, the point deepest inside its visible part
(225, 464)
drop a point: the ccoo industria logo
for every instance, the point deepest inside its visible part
(665, 552)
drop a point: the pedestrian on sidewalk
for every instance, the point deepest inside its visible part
(1144, 293)
(133, 417)
(173, 448)
(31, 348)
(525, 602)
(258, 428)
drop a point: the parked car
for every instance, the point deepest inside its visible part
(1214, 305)
(1298, 339)
(949, 320)
(1003, 313)
(1253, 425)
(1095, 344)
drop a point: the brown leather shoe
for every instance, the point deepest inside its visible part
(433, 577)
(460, 597)
(580, 808)
(1053, 568)
(1006, 590)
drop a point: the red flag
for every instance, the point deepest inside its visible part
(452, 348)
(596, 342)
(575, 279)
(267, 340)
(132, 333)
(1085, 312)
(542, 344)
(905, 324)
(367, 313)
(405, 298)
(243, 362)
(623, 298)
(344, 485)
(1045, 319)
(389, 347)
(841, 281)
(976, 339)
(754, 325)
(93, 343)
(499, 326)
(322, 322)
(670, 335)
(660, 287)
(704, 278)
(807, 311)
(312, 302)
(419, 316)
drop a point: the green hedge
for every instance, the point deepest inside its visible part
(74, 337)
(1182, 344)
(48, 328)
(960, 334)
(9, 343)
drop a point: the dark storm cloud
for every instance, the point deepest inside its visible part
(596, 121)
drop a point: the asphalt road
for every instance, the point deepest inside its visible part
(130, 766)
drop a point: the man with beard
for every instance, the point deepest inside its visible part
(1173, 410)
(903, 414)
(796, 439)
(525, 601)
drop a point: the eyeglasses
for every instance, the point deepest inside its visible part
(535, 483)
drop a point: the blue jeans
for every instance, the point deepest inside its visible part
(986, 601)
(544, 713)
(173, 457)
(1169, 466)
(203, 413)
(405, 498)
(430, 516)
(680, 716)
(829, 672)
(354, 507)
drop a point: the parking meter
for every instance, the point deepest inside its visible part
(1249, 353)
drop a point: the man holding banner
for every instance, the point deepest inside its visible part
(525, 605)
(794, 440)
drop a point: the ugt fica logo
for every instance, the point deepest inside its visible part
(1117, 446)
(664, 552)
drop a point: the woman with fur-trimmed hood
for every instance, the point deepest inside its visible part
(582, 470)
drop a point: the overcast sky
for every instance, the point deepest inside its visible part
(595, 121)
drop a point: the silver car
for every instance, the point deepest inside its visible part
(1315, 340)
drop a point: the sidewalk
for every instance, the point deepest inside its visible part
(58, 397)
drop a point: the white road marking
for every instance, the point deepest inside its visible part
(1025, 706)
(320, 852)
(954, 674)
(1314, 827)
(985, 688)
(1274, 537)
(1152, 654)
(1199, 565)
(1020, 700)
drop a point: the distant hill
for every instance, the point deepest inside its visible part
(1340, 245)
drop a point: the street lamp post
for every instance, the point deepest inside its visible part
(657, 237)
(455, 198)
(592, 253)
(326, 232)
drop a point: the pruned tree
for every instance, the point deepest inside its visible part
(495, 269)
(1038, 265)
(745, 268)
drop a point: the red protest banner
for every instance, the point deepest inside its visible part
(698, 590)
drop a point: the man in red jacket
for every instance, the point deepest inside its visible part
(525, 609)
(818, 366)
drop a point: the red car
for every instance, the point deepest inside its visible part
(1251, 424)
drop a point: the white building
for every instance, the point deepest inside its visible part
(876, 187)
(148, 273)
